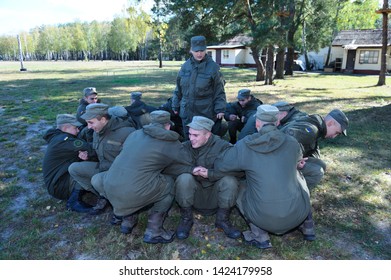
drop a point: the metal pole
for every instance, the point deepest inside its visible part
(20, 54)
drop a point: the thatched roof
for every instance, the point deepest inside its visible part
(365, 37)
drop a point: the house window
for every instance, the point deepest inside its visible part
(369, 57)
(225, 53)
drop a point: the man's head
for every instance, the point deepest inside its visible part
(336, 123)
(266, 114)
(118, 111)
(68, 123)
(200, 131)
(90, 95)
(283, 108)
(198, 47)
(244, 96)
(96, 116)
(161, 117)
(135, 96)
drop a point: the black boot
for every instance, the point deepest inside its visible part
(128, 223)
(100, 206)
(155, 233)
(75, 203)
(257, 237)
(307, 228)
(223, 222)
(115, 220)
(185, 224)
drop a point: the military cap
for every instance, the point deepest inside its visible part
(135, 95)
(89, 91)
(198, 43)
(117, 111)
(94, 110)
(160, 116)
(341, 118)
(283, 106)
(67, 119)
(201, 123)
(267, 113)
(244, 93)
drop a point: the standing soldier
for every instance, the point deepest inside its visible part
(200, 89)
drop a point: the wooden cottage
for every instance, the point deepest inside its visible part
(359, 51)
(233, 52)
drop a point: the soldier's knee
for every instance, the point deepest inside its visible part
(228, 183)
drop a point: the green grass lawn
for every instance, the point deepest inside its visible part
(351, 205)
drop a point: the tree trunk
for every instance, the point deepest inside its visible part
(383, 67)
(269, 66)
(280, 63)
(259, 65)
(289, 61)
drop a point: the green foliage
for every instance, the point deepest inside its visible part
(359, 14)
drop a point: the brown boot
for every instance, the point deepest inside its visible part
(128, 223)
(155, 233)
(185, 224)
(307, 228)
(100, 206)
(223, 222)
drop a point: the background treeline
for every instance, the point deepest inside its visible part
(277, 28)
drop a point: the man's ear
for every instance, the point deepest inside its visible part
(330, 122)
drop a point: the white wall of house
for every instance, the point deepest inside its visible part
(336, 52)
(339, 52)
(228, 56)
(234, 56)
(367, 66)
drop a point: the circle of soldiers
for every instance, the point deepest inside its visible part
(141, 158)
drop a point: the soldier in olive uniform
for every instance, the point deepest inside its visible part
(308, 131)
(110, 133)
(238, 113)
(287, 113)
(141, 176)
(90, 96)
(138, 110)
(200, 89)
(205, 189)
(275, 197)
(62, 150)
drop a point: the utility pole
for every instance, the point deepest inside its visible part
(20, 54)
(383, 68)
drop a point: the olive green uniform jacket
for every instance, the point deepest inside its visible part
(307, 130)
(107, 143)
(199, 90)
(136, 178)
(276, 197)
(62, 150)
(206, 155)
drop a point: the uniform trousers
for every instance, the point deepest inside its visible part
(190, 192)
(124, 206)
(82, 172)
(313, 171)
